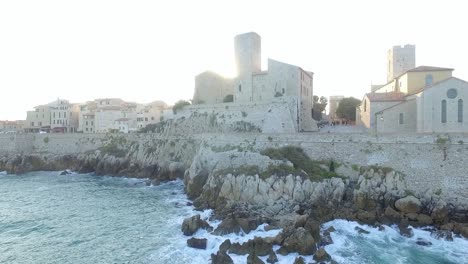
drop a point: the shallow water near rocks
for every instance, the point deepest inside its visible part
(80, 218)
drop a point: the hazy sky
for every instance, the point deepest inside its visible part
(151, 50)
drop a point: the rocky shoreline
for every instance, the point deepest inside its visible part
(249, 188)
(299, 206)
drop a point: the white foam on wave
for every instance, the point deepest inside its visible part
(3, 173)
(388, 246)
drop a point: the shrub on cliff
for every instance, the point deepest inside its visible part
(302, 163)
(228, 98)
(179, 106)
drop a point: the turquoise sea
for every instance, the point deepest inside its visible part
(81, 218)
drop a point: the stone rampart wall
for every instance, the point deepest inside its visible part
(430, 162)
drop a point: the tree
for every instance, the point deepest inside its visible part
(319, 106)
(179, 105)
(228, 98)
(347, 108)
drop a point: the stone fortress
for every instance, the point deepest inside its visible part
(280, 83)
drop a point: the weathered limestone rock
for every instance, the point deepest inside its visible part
(409, 204)
(192, 224)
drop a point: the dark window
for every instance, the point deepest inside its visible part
(240, 88)
(401, 119)
(460, 111)
(365, 105)
(444, 111)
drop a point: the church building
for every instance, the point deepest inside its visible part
(420, 99)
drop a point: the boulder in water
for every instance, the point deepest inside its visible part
(361, 231)
(300, 241)
(199, 243)
(192, 224)
(422, 242)
(253, 259)
(221, 258)
(256, 246)
(299, 260)
(321, 255)
(272, 258)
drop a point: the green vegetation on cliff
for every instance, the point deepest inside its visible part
(316, 170)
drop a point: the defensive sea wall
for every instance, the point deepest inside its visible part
(435, 163)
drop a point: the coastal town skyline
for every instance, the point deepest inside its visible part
(54, 53)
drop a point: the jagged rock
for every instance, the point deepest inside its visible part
(300, 241)
(253, 259)
(233, 224)
(221, 258)
(192, 224)
(440, 212)
(272, 258)
(361, 231)
(409, 204)
(225, 245)
(406, 231)
(321, 255)
(299, 260)
(462, 229)
(424, 219)
(367, 217)
(199, 243)
(442, 234)
(256, 246)
(392, 214)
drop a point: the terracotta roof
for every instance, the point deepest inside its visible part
(429, 68)
(386, 97)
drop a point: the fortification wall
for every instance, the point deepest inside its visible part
(431, 163)
(277, 117)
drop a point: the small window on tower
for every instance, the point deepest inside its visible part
(240, 88)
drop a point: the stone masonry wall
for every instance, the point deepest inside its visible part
(430, 162)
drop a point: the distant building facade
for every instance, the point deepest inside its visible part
(12, 126)
(253, 85)
(58, 116)
(150, 113)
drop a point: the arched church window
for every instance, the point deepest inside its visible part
(429, 79)
(365, 105)
(460, 111)
(444, 111)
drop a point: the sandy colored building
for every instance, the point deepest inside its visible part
(58, 116)
(150, 113)
(12, 126)
(252, 85)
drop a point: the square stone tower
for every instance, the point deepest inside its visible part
(248, 57)
(400, 59)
